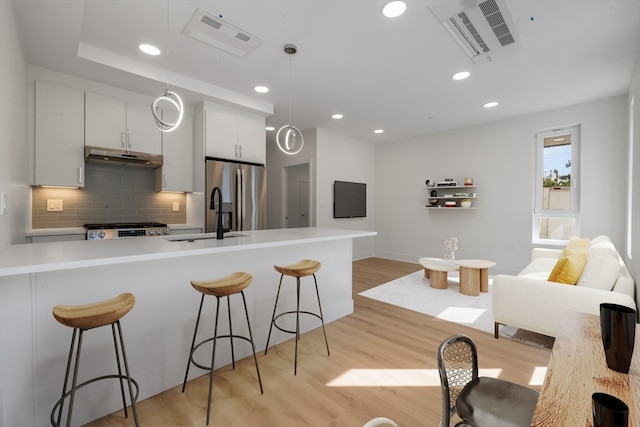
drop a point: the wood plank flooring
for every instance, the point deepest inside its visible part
(382, 363)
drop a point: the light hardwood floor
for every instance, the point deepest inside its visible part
(382, 363)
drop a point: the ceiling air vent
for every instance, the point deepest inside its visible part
(483, 29)
(220, 34)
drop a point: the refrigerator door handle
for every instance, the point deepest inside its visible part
(239, 199)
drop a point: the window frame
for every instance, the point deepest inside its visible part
(538, 210)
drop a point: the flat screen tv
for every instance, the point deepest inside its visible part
(349, 199)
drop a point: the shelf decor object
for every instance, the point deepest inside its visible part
(609, 411)
(618, 328)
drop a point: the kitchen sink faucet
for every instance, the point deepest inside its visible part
(212, 206)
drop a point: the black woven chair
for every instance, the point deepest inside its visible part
(479, 401)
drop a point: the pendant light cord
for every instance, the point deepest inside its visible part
(290, 86)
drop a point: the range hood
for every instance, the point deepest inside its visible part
(112, 156)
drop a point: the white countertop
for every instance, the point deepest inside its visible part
(41, 257)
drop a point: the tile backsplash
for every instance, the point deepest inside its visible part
(111, 194)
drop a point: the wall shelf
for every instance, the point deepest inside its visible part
(438, 196)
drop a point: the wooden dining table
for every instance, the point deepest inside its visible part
(577, 369)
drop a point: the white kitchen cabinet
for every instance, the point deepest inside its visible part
(59, 135)
(176, 173)
(117, 123)
(234, 135)
(252, 138)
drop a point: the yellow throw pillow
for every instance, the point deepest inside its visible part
(576, 243)
(569, 268)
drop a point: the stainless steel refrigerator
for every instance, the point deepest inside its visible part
(243, 188)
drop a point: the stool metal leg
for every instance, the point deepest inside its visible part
(214, 338)
(273, 316)
(321, 316)
(115, 346)
(75, 378)
(295, 363)
(233, 358)
(213, 357)
(253, 347)
(193, 343)
(127, 372)
(74, 383)
(66, 375)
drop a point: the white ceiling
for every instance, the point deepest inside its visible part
(393, 74)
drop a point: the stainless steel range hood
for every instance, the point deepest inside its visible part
(115, 157)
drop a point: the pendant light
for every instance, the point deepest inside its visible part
(168, 97)
(289, 138)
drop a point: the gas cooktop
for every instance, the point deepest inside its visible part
(119, 230)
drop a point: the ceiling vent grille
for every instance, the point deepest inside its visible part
(485, 31)
(220, 34)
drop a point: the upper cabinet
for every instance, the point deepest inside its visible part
(234, 134)
(176, 173)
(59, 135)
(116, 123)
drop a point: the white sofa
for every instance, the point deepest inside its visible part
(530, 302)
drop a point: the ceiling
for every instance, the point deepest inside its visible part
(381, 73)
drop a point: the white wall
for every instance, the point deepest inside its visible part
(277, 161)
(633, 261)
(346, 159)
(14, 150)
(331, 157)
(500, 158)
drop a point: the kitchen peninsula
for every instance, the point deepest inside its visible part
(157, 332)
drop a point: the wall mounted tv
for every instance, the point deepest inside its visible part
(349, 199)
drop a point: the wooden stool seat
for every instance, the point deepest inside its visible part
(89, 316)
(225, 286)
(302, 268)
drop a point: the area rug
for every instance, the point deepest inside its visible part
(414, 293)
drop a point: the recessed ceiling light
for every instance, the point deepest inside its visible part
(149, 49)
(261, 89)
(490, 104)
(270, 128)
(461, 75)
(337, 116)
(378, 131)
(394, 8)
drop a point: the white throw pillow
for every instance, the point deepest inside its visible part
(602, 269)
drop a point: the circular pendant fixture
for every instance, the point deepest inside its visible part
(289, 138)
(172, 99)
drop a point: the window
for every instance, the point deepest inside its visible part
(556, 215)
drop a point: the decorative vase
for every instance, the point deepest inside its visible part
(618, 327)
(609, 411)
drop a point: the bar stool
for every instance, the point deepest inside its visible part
(90, 316)
(302, 268)
(235, 283)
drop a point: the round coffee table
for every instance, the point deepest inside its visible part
(436, 269)
(474, 276)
